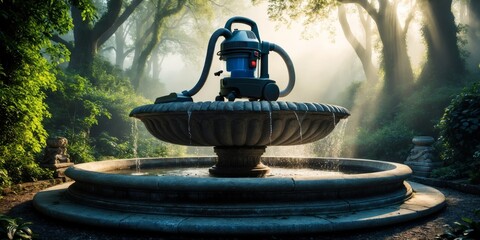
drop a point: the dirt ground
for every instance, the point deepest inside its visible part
(18, 203)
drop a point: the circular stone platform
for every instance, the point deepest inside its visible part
(55, 203)
(322, 204)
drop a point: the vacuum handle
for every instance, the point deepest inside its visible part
(244, 20)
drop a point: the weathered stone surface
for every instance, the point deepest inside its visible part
(423, 158)
(56, 157)
(56, 151)
(259, 123)
(296, 211)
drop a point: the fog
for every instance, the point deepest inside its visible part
(324, 65)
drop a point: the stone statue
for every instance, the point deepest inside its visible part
(56, 151)
(56, 157)
(423, 158)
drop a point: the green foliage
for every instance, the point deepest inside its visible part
(25, 170)
(14, 228)
(94, 118)
(350, 94)
(285, 11)
(87, 8)
(460, 131)
(417, 111)
(24, 76)
(391, 142)
(468, 229)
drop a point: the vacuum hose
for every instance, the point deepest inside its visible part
(290, 68)
(208, 60)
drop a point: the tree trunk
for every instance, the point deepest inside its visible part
(396, 63)
(363, 53)
(440, 32)
(119, 47)
(84, 48)
(474, 35)
(164, 10)
(88, 37)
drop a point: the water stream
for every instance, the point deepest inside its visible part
(300, 126)
(189, 112)
(135, 147)
(271, 126)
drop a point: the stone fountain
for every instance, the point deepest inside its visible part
(239, 192)
(240, 197)
(240, 131)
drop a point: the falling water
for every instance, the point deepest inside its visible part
(135, 145)
(304, 150)
(300, 126)
(189, 112)
(331, 146)
(271, 126)
(333, 116)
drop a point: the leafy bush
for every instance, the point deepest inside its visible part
(26, 170)
(469, 228)
(14, 228)
(25, 75)
(460, 134)
(95, 117)
(424, 108)
(391, 142)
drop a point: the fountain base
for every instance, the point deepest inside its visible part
(239, 162)
(376, 194)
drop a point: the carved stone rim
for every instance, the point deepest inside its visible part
(257, 106)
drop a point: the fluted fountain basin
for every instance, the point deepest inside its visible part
(369, 193)
(240, 131)
(240, 124)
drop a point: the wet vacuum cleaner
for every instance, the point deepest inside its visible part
(246, 58)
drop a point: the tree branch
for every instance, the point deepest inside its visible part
(365, 5)
(107, 20)
(119, 21)
(357, 46)
(58, 39)
(408, 20)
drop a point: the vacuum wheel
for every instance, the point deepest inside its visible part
(271, 92)
(231, 96)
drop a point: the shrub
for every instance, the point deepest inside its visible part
(14, 228)
(95, 117)
(25, 75)
(469, 228)
(391, 142)
(460, 134)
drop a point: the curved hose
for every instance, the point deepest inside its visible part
(291, 70)
(208, 60)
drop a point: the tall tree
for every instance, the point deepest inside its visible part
(440, 32)
(90, 35)
(474, 34)
(363, 51)
(164, 10)
(396, 64)
(121, 48)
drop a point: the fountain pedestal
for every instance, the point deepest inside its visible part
(239, 162)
